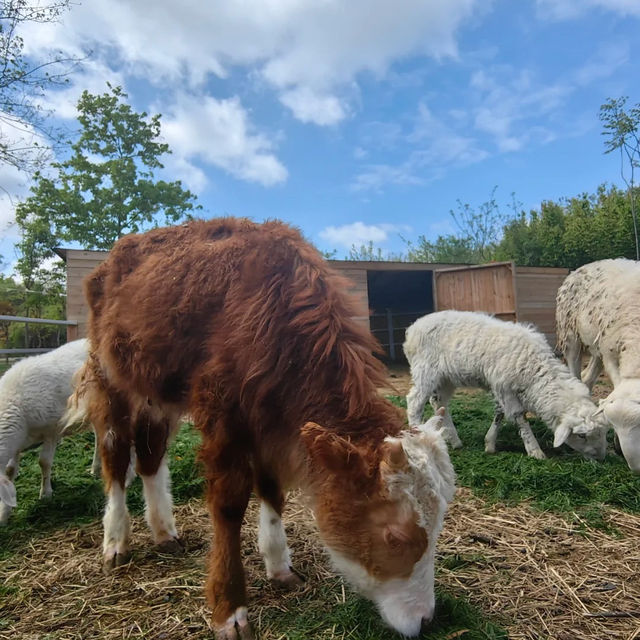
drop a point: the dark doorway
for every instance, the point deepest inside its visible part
(397, 299)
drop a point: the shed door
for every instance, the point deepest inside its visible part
(489, 288)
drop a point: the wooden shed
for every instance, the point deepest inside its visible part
(397, 293)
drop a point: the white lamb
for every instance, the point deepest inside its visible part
(33, 399)
(451, 349)
(598, 309)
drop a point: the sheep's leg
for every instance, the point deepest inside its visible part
(530, 443)
(12, 467)
(272, 539)
(441, 399)
(151, 463)
(593, 370)
(46, 462)
(492, 435)
(611, 366)
(11, 471)
(416, 399)
(573, 356)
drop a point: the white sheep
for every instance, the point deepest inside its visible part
(598, 309)
(33, 399)
(451, 349)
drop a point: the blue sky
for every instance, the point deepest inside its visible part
(359, 120)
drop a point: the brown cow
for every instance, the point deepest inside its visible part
(247, 328)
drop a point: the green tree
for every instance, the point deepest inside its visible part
(480, 228)
(571, 232)
(24, 133)
(107, 186)
(371, 253)
(479, 232)
(622, 131)
(448, 249)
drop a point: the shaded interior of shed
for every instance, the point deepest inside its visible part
(396, 300)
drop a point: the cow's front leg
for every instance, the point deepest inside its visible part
(229, 482)
(272, 541)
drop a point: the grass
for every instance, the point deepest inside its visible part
(78, 499)
(77, 496)
(358, 618)
(564, 482)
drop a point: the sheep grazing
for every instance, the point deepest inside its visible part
(598, 310)
(33, 399)
(451, 349)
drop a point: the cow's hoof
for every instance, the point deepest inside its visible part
(236, 627)
(289, 580)
(172, 546)
(112, 561)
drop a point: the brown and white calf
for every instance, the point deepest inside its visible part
(245, 327)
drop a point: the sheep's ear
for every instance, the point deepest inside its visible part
(435, 422)
(7, 492)
(561, 434)
(600, 410)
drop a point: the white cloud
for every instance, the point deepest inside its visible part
(376, 177)
(93, 77)
(309, 106)
(218, 132)
(568, 9)
(358, 233)
(434, 147)
(307, 51)
(507, 102)
(603, 64)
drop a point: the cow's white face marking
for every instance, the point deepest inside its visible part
(423, 489)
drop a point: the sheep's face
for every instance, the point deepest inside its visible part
(624, 414)
(586, 434)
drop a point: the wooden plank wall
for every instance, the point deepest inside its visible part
(536, 289)
(483, 288)
(79, 265)
(359, 289)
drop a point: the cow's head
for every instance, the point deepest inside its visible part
(380, 513)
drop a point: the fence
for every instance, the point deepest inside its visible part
(389, 329)
(27, 322)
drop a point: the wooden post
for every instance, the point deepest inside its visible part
(392, 346)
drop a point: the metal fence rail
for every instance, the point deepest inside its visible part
(391, 336)
(25, 320)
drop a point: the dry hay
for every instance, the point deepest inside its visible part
(542, 576)
(532, 572)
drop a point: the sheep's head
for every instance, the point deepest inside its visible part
(622, 409)
(585, 431)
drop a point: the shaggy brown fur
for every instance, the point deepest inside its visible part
(247, 328)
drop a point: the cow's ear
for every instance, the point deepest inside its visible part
(394, 459)
(331, 451)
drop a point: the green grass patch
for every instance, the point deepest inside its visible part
(565, 482)
(358, 619)
(78, 497)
